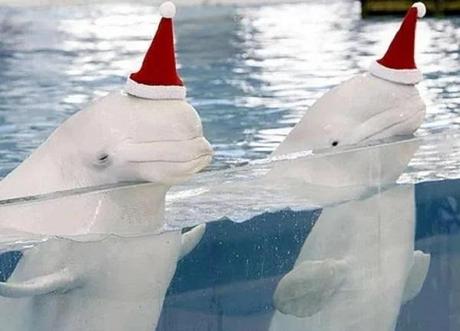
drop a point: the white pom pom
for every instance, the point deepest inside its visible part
(168, 9)
(421, 9)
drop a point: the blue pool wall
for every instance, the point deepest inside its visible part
(227, 282)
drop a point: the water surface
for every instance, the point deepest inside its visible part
(251, 71)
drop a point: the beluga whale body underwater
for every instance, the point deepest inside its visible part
(358, 265)
(144, 133)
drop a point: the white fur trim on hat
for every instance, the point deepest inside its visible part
(401, 76)
(156, 92)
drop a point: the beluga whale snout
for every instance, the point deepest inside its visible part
(146, 132)
(358, 264)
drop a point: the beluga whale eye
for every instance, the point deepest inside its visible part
(103, 159)
(335, 143)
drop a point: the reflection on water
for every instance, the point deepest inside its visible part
(251, 71)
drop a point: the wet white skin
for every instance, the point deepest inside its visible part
(117, 138)
(116, 283)
(364, 108)
(358, 264)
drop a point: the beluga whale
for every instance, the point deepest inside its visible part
(358, 265)
(107, 261)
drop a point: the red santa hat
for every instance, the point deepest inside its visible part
(398, 64)
(158, 78)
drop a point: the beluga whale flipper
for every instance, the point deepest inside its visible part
(107, 261)
(358, 264)
(60, 281)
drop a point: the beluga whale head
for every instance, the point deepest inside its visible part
(380, 105)
(146, 132)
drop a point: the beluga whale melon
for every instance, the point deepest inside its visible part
(358, 264)
(146, 132)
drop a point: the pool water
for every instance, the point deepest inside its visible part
(251, 71)
(227, 282)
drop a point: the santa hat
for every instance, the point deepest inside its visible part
(398, 64)
(158, 78)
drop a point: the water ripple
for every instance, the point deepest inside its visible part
(251, 71)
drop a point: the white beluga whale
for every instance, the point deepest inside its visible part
(358, 264)
(102, 266)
